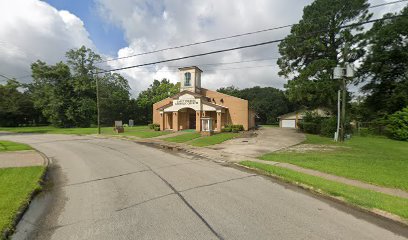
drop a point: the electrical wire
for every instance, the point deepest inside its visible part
(245, 46)
(227, 37)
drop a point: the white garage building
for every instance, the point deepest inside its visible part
(290, 120)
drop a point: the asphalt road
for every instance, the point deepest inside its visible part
(114, 189)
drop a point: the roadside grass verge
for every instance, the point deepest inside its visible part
(55, 130)
(16, 186)
(142, 133)
(183, 137)
(137, 131)
(374, 160)
(6, 146)
(214, 139)
(353, 195)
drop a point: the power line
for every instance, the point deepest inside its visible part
(198, 43)
(213, 68)
(1, 75)
(237, 68)
(243, 47)
(227, 37)
(208, 64)
(388, 3)
(227, 63)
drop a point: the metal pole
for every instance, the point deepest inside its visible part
(336, 138)
(97, 104)
(343, 110)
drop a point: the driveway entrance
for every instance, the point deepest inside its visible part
(268, 139)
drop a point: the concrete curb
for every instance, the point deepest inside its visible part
(373, 212)
(22, 210)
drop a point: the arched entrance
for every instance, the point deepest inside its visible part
(187, 118)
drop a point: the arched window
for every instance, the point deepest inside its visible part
(187, 78)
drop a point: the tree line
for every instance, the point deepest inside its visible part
(64, 95)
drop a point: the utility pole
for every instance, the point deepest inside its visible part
(343, 110)
(336, 135)
(341, 73)
(97, 103)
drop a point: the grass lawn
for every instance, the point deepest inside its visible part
(50, 129)
(214, 139)
(13, 146)
(183, 137)
(138, 131)
(375, 160)
(354, 195)
(16, 185)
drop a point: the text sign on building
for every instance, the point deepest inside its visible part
(185, 102)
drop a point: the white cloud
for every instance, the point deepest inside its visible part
(31, 30)
(150, 25)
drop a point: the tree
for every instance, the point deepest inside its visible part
(157, 91)
(267, 102)
(398, 125)
(52, 92)
(66, 93)
(16, 106)
(114, 98)
(315, 46)
(385, 68)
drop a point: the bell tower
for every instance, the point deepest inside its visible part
(190, 79)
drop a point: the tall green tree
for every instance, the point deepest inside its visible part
(66, 92)
(114, 98)
(384, 71)
(82, 64)
(157, 91)
(315, 46)
(52, 92)
(16, 105)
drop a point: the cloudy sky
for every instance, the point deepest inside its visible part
(45, 30)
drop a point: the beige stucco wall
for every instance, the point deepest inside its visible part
(238, 111)
(156, 113)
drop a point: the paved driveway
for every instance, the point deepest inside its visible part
(268, 139)
(115, 189)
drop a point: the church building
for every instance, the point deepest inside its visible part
(201, 109)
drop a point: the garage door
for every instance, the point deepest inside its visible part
(289, 123)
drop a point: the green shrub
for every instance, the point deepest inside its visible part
(397, 127)
(364, 132)
(311, 123)
(311, 127)
(153, 126)
(239, 127)
(328, 127)
(227, 129)
(157, 128)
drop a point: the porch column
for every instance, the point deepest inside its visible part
(198, 121)
(162, 121)
(175, 121)
(218, 121)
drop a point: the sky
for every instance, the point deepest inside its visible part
(45, 30)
